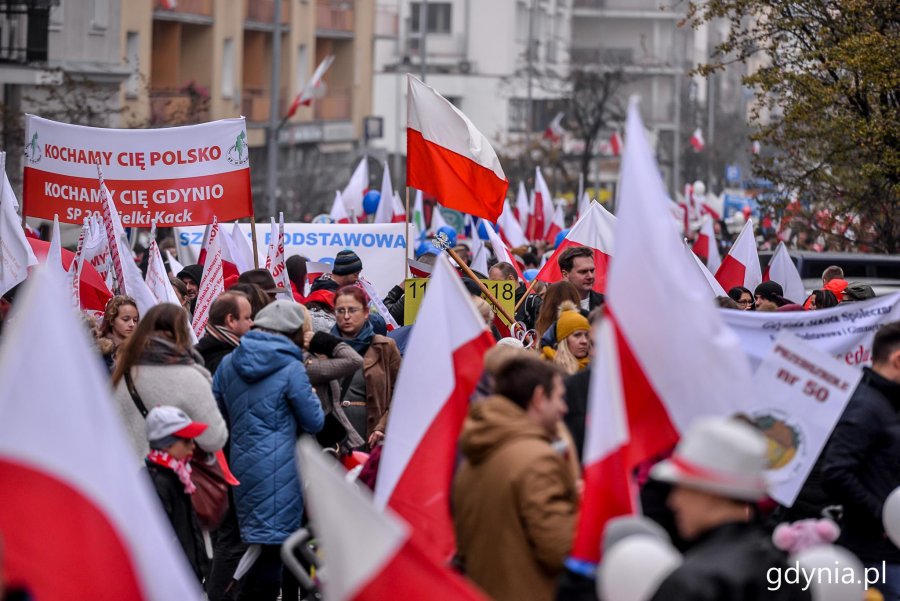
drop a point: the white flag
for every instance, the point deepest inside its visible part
(16, 255)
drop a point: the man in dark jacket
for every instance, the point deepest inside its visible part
(191, 276)
(861, 464)
(345, 272)
(717, 472)
(577, 265)
(229, 319)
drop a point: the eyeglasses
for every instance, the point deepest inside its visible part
(347, 311)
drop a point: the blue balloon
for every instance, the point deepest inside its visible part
(370, 201)
(482, 231)
(559, 238)
(530, 274)
(450, 233)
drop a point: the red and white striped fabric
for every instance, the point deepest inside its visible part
(510, 229)
(595, 230)
(339, 212)
(212, 283)
(557, 224)
(417, 269)
(542, 210)
(522, 208)
(502, 252)
(240, 249)
(276, 262)
(399, 215)
(356, 188)
(740, 267)
(650, 397)
(316, 269)
(369, 554)
(448, 157)
(781, 269)
(313, 87)
(706, 247)
(79, 522)
(444, 357)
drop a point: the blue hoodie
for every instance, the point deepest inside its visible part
(269, 402)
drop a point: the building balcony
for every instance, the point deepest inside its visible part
(176, 107)
(438, 46)
(263, 11)
(386, 23)
(334, 106)
(334, 19)
(189, 11)
(627, 9)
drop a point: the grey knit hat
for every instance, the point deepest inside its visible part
(346, 262)
(281, 316)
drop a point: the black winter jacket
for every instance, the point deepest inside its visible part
(213, 351)
(177, 505)
(861, 466)
(730, 563)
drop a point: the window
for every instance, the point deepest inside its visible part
(99, 14)
(57, 17)
(228, 68)
(438, 20)
(302, 66)
(518, 114)
(132, 57)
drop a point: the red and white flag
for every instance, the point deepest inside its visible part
(715, 287)
(157, 279)
(542, 209)
(369, 554)
(376, 304)
(522, 208)
(399, 215)
(510, 229)
(91, 248)
(212, 284)
(316, 269)
(555, 131)
(313, 88)
(697, 141)
(557, 224)
(174, 266)
(740, 267)
(448, 157)
(595, 230)
(339, 212)
(356, 189)
(417, 269)
(641, 400)
(240, 249)
(276, 262)
(781, 269)
(79, 521)
(502, 252)
(16, 255)
(169, 4)
(444, 356)
(706, 247)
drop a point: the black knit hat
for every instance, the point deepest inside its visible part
(346, 262)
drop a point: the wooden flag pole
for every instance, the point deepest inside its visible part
(406, 256)
(524, 296)
(253, 237)
(484, 289)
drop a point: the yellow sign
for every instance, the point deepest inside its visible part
(414, 288)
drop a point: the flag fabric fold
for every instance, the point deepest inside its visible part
(312, 87)
(542, 209)
(706, 247)
(510, 228)
(356, 188)
(781, 269)
(16, 255)
(339, 212)
(522, 208)
(740, 267)
(212, 283)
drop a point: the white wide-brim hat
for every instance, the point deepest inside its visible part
(721, 456)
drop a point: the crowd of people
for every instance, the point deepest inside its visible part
(273, 364)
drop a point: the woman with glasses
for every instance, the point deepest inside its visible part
(366, 394)
(743, 298)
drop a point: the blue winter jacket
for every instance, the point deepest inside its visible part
(264, 390)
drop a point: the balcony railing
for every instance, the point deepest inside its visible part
(187, 7)
(263, 11)
(334, 16)
(174, 107)
(335, 106)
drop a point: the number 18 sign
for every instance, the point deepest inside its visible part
(414, 289)
(799, 394)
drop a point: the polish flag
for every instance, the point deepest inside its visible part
(174, 266)
(369, 555)
(522, 208)
(444, 356)
(697, 142)
(510, 229)
(17, 255)
(781, 269)
(501, 251)
(740, 267)
(399, 215)
(542, 210)
(169, 4)
(417, 269)
(615, 144)
(641, 400)
(204, 245)
(316, 269)
(240, 248)
(594, 229)
(557, 224)
(313, 88)
(356, 189)
(706, 246)
(448, 157)
(339, 210)
(714, 286)
(212, 284)
(79, 522)
(129, 278)
(385, 211)
(276, 260)
(157, 279)
(555, 131)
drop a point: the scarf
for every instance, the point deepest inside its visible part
(161, 351)
(361, 342)
(223, 335)
(182, 468)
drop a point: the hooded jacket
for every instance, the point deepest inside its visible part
(269, 402)
(515, 503)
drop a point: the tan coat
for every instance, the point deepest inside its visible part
(515, 504)
(381, 364)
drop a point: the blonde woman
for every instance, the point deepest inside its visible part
(573, 335)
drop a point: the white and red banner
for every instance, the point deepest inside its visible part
(642, 399)
(781, 269)
(381, 246)
(369, 554)
(845, 332)
(740, 267)
(595, 230)
(174, 176)
(444, 356)
(212, 284)
(448, 157)
(79, 520)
